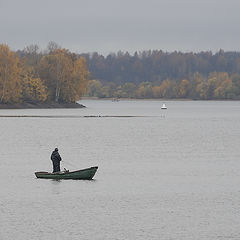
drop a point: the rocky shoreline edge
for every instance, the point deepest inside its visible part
(40, 105)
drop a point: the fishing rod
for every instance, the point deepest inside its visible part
(68, 163)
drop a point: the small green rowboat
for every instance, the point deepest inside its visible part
(84, 174)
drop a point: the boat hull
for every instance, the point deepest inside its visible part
(84, 174)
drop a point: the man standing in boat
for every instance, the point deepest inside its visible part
(56, 158)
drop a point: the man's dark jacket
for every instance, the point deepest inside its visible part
(55, 157)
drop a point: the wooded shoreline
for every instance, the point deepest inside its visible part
(62, 77)
(46, 105)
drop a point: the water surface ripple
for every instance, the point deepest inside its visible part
(163, 174)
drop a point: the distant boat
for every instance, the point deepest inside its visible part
(164, 106)
(84, 174)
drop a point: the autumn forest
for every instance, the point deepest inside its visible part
(158, 74)
(58, 75)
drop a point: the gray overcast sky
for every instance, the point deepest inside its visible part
(130, 25)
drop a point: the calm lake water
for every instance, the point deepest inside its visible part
(163, 174)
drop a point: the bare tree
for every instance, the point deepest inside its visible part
(52, 46)
(31, 49)
(32, 54)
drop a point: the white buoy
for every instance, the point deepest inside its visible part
(164, 106)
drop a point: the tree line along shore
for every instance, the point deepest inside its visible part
(57, 77)
(158, 74)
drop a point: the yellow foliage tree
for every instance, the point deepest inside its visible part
(156, 91)
(202, 89)
(144, 90)
(217, 81)
(140, 91)
(77, 82)
(224, 89)
(94, 88)
(33, 89)
(10, 76)
(65, 75)
(165, 88)
(183, 88)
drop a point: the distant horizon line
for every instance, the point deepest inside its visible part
(131, 52)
